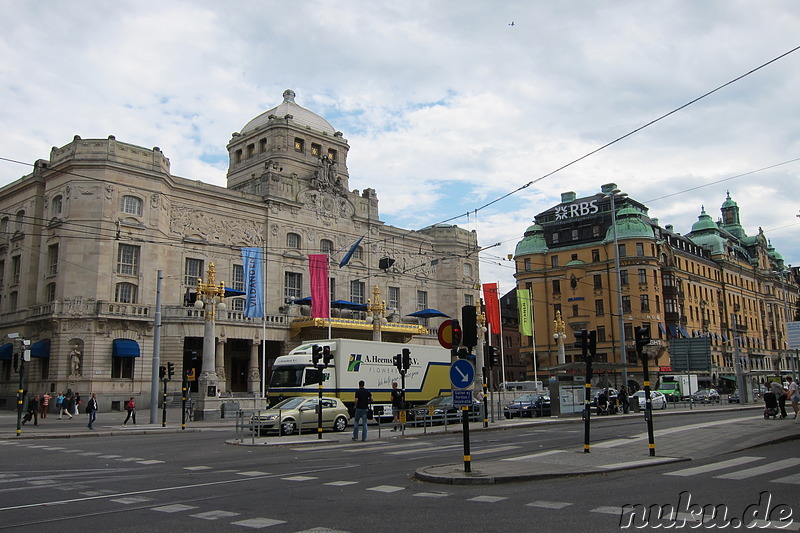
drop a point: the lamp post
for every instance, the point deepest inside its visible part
(209, 297)
(559, 336)
(613, 194)
(377, 310)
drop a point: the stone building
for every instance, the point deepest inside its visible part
(83, 237)
(729, 291)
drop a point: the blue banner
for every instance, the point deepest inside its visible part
(252, 261)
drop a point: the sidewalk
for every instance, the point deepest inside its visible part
(689, 441)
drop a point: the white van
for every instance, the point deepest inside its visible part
(521, 386)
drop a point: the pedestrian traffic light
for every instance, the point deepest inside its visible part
(406, 359)
(162, 372)
(326, 355)
(398, 362)
(491, 356)
(456, 334)
(642, 334)
(316, 354)
(582, 341)
(469, 321)
(170, 370)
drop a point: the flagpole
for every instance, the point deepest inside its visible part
(264, 324)
(533, 337)
(330, 316)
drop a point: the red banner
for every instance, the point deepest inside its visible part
(320, 295)
(492, 301)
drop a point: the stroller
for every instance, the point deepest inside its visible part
(770, 406)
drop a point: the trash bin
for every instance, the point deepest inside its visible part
(229, 409)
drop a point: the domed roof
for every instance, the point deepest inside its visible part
(728, 202)
(300, 116)
(630, 224)
(704, 222)
(533, 242)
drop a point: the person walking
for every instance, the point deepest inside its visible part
(780, 395)
(33, 411)
(363, 400)
(397, 406)
(76, 404)
(623, 399)
(91, 410)
(793, 394)
(45, 405)
(130, 406)
(66, 406)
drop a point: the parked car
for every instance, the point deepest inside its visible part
(300, 414)
(528, 405)
(706, 396)
(441, 408)
(657, 399)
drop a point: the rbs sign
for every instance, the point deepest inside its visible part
(578, 209)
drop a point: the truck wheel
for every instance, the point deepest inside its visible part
(340, 424)
(288, 427)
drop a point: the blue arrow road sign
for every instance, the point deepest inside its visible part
(462, 374)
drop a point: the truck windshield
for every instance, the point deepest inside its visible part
(668, 386)
(287, 376)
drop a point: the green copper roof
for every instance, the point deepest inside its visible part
(533, 242)
(630, 224)
(704, 222)
(728, 202)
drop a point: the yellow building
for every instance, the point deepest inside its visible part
(714, 284)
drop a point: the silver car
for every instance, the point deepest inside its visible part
(300, 414)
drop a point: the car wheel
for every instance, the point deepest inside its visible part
(288, 427)
(340, 424)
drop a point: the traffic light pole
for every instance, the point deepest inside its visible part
(164, 407)
(642, 339)
(21, 395)
(184, 388)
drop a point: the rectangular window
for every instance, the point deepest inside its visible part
(52, 260)
(469, 299)
(555, 237)
(601, 334)
(193, 271)
(556, 286)
(640, 249)
(575, 235)
(598, 281)
(628, 329)
(315, 149)
(623, 277)
(556, 308)
(575, 310)
(553, 261)
(422, 300)
(358, 292)
(299, 145)
(595, 256)
(595, 231)
(262, 146)
(50, 291)
(621, 250)
(128, 260)
(599, 307)
(292, 286)
(394, 297)
(626, 304)
(642, 276)
(251, 150)
(331, 154)
(16, 268)
(527, 264)
(645, 301)
(122, 367)
(237, 280)
(2, 276)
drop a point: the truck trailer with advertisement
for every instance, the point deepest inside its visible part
(356, 360)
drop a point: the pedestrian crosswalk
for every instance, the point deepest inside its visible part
(743, 468)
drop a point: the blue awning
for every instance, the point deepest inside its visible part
(6, 351)
(41, 349)
(724, 337)
(661, 328)
(683, 332)
(125, 348)
(673, 331)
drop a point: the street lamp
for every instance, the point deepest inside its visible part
(560, 336)
(209, 297)
(376, 309)
(613, 193)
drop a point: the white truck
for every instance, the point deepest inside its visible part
(356, 360)
(678, 386)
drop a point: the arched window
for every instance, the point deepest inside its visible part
(125, 293)
(20, 219)
(131, 205)
(57, 205)
(326, 246)
(467, 270)
(4, 224)
(293, 240)
(50, 293)
(359, 254)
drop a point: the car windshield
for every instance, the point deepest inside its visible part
(526, 398)
(290, 403)
(437, 400)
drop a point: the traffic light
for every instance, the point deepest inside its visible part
(457, 334)
(326, 355)
(491, 356)
(162, 372)
(642, 334)
(316, 354)
(582, 341)
(170, 370)
(398, 362)
(469, 321)
(406, 359)
(593, 342)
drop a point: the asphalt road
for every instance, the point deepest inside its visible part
(197, 482)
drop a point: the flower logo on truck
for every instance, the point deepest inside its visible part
(355, 362)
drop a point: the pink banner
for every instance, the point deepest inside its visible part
(492, 302)
(320, 295)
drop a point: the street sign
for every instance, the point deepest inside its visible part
(446, 334)
(462, 374)
(690, 354)
(462, 397)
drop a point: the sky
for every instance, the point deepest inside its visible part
(447, 105)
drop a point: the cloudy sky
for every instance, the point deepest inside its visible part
(445, 104)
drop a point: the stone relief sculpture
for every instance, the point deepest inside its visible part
(186, 221)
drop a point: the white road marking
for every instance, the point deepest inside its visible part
(341, 483)
(713, 466)
(487, 499)
(298, 478)
(215, 515)
(257, 523)
(174, 508)
(548, 505)
(385, 488)
(763, 469)
(534, 455)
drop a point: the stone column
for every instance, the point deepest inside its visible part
(253, 374)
